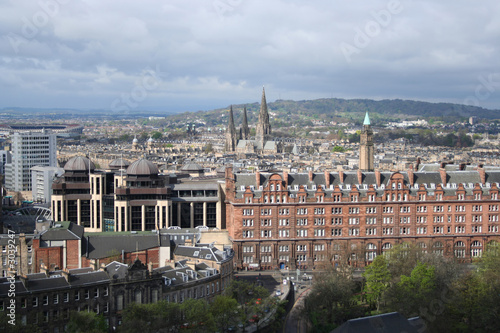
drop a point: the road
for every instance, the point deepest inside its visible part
(293, 321)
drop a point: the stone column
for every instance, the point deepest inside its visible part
(205, 214)
(143, 218)
(191, 215)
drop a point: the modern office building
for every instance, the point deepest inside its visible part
(137, 198)
(29, 150)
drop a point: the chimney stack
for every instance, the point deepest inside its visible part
(257, 179)
(327, 179)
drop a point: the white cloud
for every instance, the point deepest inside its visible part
(215, 53)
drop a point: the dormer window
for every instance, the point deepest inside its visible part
(271, 187)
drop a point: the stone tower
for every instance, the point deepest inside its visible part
(263, 129)
(366, 148)
(244, 130)
(231, 133)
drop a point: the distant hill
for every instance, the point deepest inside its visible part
(288, 112)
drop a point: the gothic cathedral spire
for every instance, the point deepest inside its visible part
(263, 129)
(231, 133)
(366, 148)
(244, 130)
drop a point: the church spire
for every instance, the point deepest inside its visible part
(231, 133)
(263, 126)
(244, 131)
(367, 119)
(366, 147)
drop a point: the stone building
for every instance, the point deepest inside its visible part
(299, 220)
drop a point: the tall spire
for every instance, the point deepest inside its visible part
(366, 147)
(263, 126)
(231, 133)
(244, 131)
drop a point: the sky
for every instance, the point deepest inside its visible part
(190, 55)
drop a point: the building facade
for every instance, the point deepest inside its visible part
(305, 220)
(29, 150)
(41, 182)
(136, 199)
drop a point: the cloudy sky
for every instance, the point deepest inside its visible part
(189, 55)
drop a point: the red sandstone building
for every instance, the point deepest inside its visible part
(281, 220)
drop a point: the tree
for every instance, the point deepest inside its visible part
(209, 148)
(331, 300)
(415, 291)
(377, 277)
(86, 322)
(225, 312)
(338, 149)
(156, 317)
(156, 135)
(197, 315)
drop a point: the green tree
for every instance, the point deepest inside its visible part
(155, 317)
(415, 291)
(331, 301)
(197, 315)
(156, 135)
(225, 312)
(377, 277)
(338, 149)
(209, 148)
(86, 322)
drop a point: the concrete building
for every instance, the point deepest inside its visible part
(29, 150)
(42, 178)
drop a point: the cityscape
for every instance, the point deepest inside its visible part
(224, 168)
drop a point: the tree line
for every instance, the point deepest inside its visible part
(446, 295)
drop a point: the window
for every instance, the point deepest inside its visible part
(319, 232)
(336, 232)
(87, 293)
(45, 300)
(248, 222)
(35, 302)
(337, 210)
(56, 298)
(77, 295)
(301, 248)
(353, 231)
(247, 233)
(336, 220)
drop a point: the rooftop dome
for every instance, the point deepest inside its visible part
(191, 166)
(142, 167)
(119, 163)
(135, 140)
(78, 163)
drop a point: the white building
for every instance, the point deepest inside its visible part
(29, 150)
(5, 158)
(41, 182)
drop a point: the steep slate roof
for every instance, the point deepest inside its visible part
(99, 247)
(66, 231)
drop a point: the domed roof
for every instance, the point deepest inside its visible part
(119, 163)
(191, 166)
(135, 140)
(151, 140)
(142, 167)
(79, 163)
